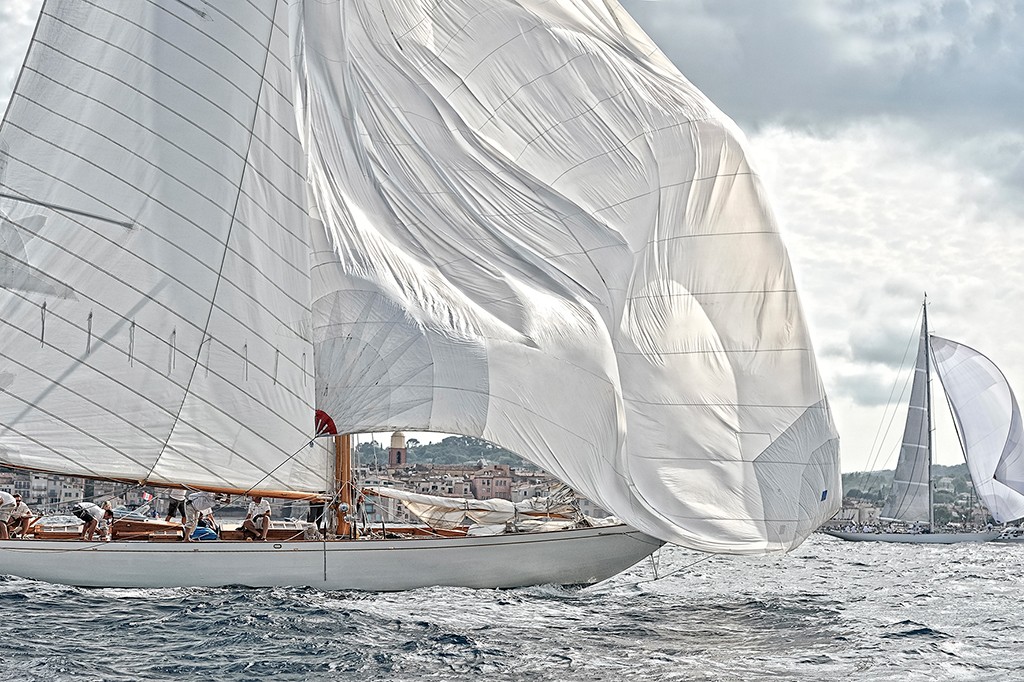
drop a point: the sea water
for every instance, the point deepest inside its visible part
(828, 610)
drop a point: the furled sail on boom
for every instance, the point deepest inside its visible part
(512, 220)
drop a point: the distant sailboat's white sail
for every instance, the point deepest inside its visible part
(988, 422)
(154, 249)
(910, 499)
(538, 232)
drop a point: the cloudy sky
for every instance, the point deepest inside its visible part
(891, 138)
(890, 135)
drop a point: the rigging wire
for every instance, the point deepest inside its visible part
(881, 437)
(894, 503)
(657, 577)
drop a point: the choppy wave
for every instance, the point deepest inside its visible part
(829, 610)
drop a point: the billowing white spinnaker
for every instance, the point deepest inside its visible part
(538, 232)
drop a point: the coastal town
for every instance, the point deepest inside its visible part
(378, 466)
(405, 465)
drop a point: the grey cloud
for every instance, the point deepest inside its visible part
(952, 69)
(868, 388)
(889, 345)
(955, 63)
(835, 350)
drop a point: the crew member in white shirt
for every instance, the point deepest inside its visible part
(257, 520)
(176, 504)
(92, 514)
(20, 518)
(7, 505)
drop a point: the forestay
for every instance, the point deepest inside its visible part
(988, 422)
(155, 247)
(538, 232)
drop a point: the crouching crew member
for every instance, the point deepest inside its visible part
(92, 514)
(199, 509)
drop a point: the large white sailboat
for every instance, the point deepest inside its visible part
(988, 423)
(514, 220)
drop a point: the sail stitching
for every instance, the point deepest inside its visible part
(271, 250)
(524, 84)
(48, 448)
(149, 131)
(244, 29)
(592, 108)
(153, 67)
(24, 65)
(170, 110)
(145, 295)
(626, 143)
(115, 414)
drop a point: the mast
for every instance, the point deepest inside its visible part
(343, 481)
(928, 410)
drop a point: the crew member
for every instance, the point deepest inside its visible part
(7, 505)
(20, 519)
(91, 515)
(257, 520)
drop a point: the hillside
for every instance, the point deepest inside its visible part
(874, 485)
(451, 450)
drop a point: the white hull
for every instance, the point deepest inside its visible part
(916, 538)
(569, 557)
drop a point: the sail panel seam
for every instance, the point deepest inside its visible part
(142, 396)
(178, 316)
(156, 135)
(190, 122)
(141, 362)
(129, 221)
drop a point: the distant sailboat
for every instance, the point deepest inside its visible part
(511, 219)
(988, 424)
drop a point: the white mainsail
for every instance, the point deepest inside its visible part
(988, 421)
(910, 499)
(538, 232)
(154, 266)
(512, 220)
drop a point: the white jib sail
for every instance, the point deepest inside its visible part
(988, 422)
(154, 280)
(538, 232)
(910, 499)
